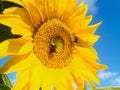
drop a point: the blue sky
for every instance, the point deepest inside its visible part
(108, 46)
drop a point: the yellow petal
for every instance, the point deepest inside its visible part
(79, 81)
(17, 63)
(84, 51)
(63, 84)
(61, 79)
(87, 20)
(89, 80)
(84, 71)
(60, 7)
(71, 6)
(78, 17)
(20, 12)
(93, 50)
(91, 39)
(20, 83)
(46, 81)
(42, 9)
(67, 80)
(3, 47)
(47, 86)
(82, 43)
(91, 62)
(15, 47)
(36, 70)
(33, 11)
(35, 73)
(87, 30)
(49, 8)
(15, 22)
(79, 23)
(80, 10)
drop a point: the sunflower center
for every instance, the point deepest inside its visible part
(56, 44)
(53, 44)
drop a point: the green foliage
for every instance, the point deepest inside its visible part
(5, 33)
(5, 83)
(4, 87)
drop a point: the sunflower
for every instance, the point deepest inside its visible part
(55, 47)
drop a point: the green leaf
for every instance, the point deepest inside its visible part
(4, 87)
(5, 33)
(5, 83)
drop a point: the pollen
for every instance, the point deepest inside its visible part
(53, 44)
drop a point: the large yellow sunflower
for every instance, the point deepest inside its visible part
(55, 49)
